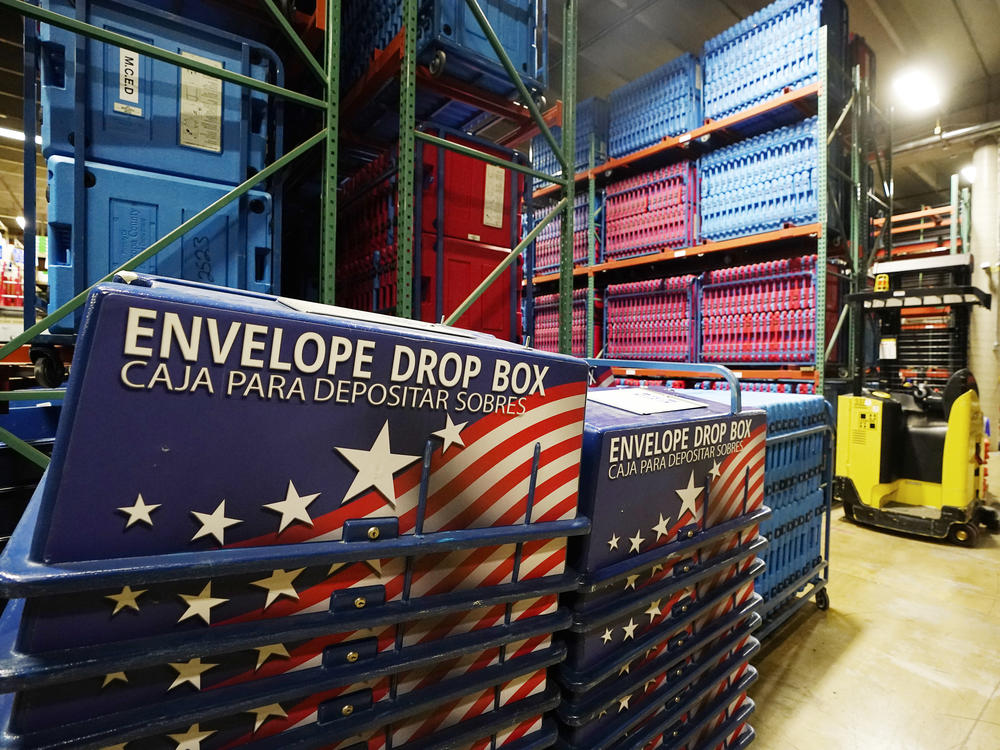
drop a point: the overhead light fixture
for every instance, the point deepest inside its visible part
(917, 90)
(21, 222)
(968, 173)
(17, 135)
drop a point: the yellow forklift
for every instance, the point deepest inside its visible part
(911, 453)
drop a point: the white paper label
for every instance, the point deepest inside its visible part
(127, 109)
(128, 77)
(642, 401)
(496, 188)
(887, 349)
(201, 107)
(680, 253)
(473, 237)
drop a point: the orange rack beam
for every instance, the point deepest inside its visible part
(763, 238)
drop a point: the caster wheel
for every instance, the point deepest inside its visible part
(438, 63)
(49, 371)
(822, 600)
(963, 534)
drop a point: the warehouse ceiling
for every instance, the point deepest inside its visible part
(621, 39)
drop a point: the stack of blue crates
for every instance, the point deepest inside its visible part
(366, 574)
(449, 27)
(591, 127)
(664, 102)
(160, 144)
(796, 488)
(761, 184)
(662, 623)
(771, 50)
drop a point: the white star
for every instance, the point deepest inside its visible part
(607, 635)
(630, 582)
(651, 682)
(190, 671)
(613, 542)
(624, 670)
(623, 703)
(139, 512)
(266, 652)
(278, 584)
(191, 739)
(689, 497)
(630, 629)
(293, 507)
(603, 713)
(654, 610)
(214, 523)
(636, 541)
(450, 434)
(375, 467)
(200, 605)
(661, 528)
(127, 599)
(714, 471)
(114, 677)
(264, 713)
(658, 568)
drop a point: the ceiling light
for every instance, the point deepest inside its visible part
(917, 90)
(21, 222)
(17, 135)
(968, 173)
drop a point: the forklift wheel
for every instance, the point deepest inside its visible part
(822, 600)
(848, 512)
(963, 534)
(49, 371)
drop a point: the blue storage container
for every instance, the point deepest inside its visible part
(773, 49)
(592, 119)
(147, 114)
(449, 27)
(662, 103)
(128, 210)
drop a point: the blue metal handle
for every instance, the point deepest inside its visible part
(695, 367)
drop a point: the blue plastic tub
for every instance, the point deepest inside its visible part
(127, 210)
(147, 114)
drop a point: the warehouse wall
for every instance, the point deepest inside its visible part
(984, 357)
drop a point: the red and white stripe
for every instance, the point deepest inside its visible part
(522, 730)
(741, 482)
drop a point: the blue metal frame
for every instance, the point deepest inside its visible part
(692, 367)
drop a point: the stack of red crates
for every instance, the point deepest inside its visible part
(764, 312)
(469, 218)
(652, 212)
(547, 323)
(652, 319)
(11, 284)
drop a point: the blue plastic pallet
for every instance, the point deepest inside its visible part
(151, 115)
(127, 210)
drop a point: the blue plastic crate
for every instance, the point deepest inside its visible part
(664, 102)
(147, 114)
(773, 49)
(761, 184)
(592, 122)
(127, 210)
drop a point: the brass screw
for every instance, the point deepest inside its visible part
(373, 532)
(360, 602)
(352, 656)
(347, 710)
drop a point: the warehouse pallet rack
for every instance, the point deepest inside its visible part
(327, 73)
(852, 129)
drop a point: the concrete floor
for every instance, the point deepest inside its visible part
(906, 658)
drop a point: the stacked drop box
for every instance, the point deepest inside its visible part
(280, 524)
(136, 146)
(661, 636)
